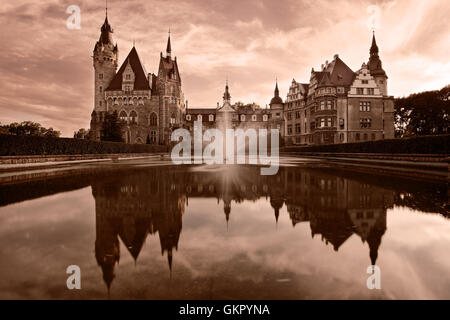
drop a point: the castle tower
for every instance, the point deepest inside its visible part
(276, 112)
(105, 58)
(376, 69)
(170, 92)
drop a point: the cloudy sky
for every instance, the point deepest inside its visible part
(46, 72)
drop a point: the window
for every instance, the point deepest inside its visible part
(365, 136)
(365, 123)
(254, 117)
(340, 90)
(371, 91)
(199, 117)
(188, 117)
(153, 136)
(289, 129)
(100, 75)
(289, 116)
(265, 117)
(297, 128)
(364, 106)
(322, 105)
(125, 100)
(153, 119)
(211, 117)
(141, 101)
(133, 117)
(115, 101)
(100, 103)
(130, 100)
(360, 91)
(128, 76)
(123, 116)
(322, 122)
(242, 117)
(357, 137)
(329, 104)
(329, 122)
(341, 137)
(297, 115)
(365, 81)
(373, 136)
(100, 89)
(329, 90)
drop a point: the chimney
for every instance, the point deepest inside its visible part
(336, 56)
(323, 67)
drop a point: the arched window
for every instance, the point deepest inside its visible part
(188, 117)
(211, 117)
(242, 117)
(153, 119)
(172, 118)
(199, 117)
(141, 101)
(115, 101)
(265, 117)
(123, 116)
(125, 100)
(254, 117)
(133, 117)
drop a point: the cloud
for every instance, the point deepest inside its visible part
(46, 70)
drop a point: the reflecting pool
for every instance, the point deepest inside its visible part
(143, 229)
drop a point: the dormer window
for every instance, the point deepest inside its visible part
(128, 76)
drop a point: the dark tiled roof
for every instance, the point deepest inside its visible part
(140, 81)
(340, 73)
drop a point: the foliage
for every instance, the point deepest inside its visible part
(81, 134)
(28, 128)
(112, 128)
(425, 113)
(414, 145)
(12, 145)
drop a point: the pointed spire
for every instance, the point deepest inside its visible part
(169, 47)
(276, 92)
(374, 47)
(226, 95)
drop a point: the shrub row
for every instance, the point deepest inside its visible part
(415, 145)
(11, 145)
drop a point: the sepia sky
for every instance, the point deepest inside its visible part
(46, 72)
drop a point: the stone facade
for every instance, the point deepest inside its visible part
(336, 106)
(339, 105)
(150, 105)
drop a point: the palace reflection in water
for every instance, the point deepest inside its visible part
(147, 202)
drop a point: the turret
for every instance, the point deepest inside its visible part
(105, 58)
(376, 68)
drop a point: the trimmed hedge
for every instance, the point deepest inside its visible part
(438, 144)
(11, 145)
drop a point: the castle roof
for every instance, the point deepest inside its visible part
(140, 81)
(339, 73)
(276, 99)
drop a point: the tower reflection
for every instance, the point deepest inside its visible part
(148, 201)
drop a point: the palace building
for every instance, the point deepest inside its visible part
(338, 105)
(150, 105)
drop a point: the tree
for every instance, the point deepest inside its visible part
(424, 113)
(112, 128)
(29, 128)
(81, 134)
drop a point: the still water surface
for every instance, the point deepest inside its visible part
(149, 230)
